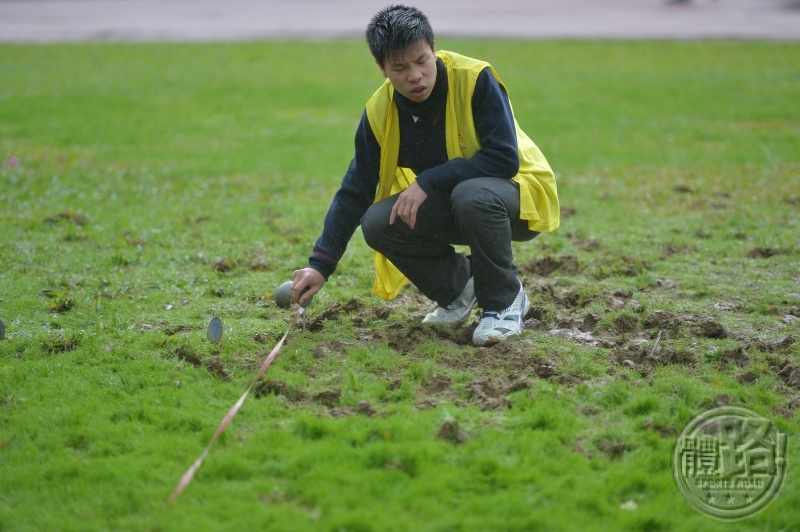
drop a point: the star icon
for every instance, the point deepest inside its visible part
(710, 499)
(747, 498)
(730, 498)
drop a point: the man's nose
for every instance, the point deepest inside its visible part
(414, 75)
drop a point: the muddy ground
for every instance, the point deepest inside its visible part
(637, 341)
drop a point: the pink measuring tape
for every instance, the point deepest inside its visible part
(187, 477)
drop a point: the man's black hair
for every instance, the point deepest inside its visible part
(393, 29)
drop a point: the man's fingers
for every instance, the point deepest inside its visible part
(306, 294)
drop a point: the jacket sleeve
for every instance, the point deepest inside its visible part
(498, 156)
(351, 201)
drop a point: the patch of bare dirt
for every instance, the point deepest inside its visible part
(485, 392)
(74, 218)
(172, 330)
(59, 344)
(762, 253)
(614, 448)
(427, 404)
(329, 398)
(779, 346)
(332, 313)
(217, 368)
(213, 364)
(510, 358)
(280, 388)
(735, 356)
(625, 324)
(787, 372)
(364, 408)
(451, 431)
(437, 384)
(327, 349)
(187, 354)
(405, 338)
(663, 431)
(697, 325)
(486, 395)
(546, 266)
(644, 358)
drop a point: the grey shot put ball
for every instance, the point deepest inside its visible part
(283, 295)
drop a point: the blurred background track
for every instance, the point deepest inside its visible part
(202, 20)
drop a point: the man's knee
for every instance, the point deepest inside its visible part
(473, 197)
(374, 223)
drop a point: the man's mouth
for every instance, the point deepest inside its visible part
(418, 91)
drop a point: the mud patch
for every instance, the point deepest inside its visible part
(405, 338)
(327, 349)
(172, 330)
(213, 364)
(71, 217)
(746, 377)
(438, 384)
(223, 265)
(280, 388)
(779, 346)
(364, 408)
(625, 324)
(644, 359)
(60, 345)
(735, 356)
(762, 253)
(451, 431)
(510, 358)
(187, 354)
(486, 395)
(614, 448)
(787, 372)
(663, 431)
(332, 313)
(427, 404)
(546, 266)
(697, 325)
(376, 314)
(217, 368)
(263, 338)
(329, 398)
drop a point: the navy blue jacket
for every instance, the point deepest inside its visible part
(423, 150)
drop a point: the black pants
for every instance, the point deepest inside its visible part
(482, 213)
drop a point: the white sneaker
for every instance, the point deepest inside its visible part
(496, 326)
(457, 312)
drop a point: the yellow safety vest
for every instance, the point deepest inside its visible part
(537, 185)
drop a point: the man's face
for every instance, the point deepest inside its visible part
(412, 73)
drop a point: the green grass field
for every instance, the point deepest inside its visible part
(146, 187)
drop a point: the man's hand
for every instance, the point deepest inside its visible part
(306, 283)
(407, 205)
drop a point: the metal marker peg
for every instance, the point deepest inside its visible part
(2, 330)
(214, 329)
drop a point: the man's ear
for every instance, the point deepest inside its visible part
(383, 70)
